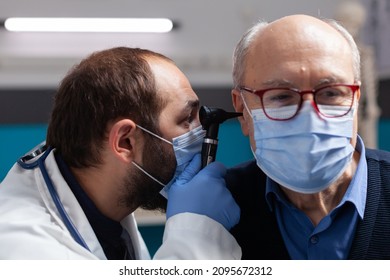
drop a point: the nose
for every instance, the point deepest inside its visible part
(307, 95)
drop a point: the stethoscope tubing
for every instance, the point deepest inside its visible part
(40, 162)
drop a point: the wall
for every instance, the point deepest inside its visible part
(31, 65)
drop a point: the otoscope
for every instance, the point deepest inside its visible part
(211, 118)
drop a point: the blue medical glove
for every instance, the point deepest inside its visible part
(203, 193)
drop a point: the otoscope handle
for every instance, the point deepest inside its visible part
(209, 151)
(211, 118)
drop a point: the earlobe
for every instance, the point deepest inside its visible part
(122, 139)
(239, 107)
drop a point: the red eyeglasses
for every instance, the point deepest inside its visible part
(284, 103)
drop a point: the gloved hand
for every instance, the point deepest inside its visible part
(203, 193)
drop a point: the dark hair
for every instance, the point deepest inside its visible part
(104, 87)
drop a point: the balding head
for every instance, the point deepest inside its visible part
(288, 35)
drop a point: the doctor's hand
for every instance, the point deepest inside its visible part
(203, 193)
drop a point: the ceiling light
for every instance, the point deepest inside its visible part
(159, 25)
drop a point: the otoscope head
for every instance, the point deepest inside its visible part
(209, 116)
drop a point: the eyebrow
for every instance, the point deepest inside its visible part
(287, 83)
(329, 80)
(192, 104)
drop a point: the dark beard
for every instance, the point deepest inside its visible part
(140, 190)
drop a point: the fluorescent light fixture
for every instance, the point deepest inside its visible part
(159, 25)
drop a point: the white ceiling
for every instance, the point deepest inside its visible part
(202, 45)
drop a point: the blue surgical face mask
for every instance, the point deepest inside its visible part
(307, 153)
(185, 147)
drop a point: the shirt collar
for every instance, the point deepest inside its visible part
(356, 192)
(104, 227)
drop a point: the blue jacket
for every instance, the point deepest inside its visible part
(258, 234)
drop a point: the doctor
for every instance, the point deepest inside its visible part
(124, 133)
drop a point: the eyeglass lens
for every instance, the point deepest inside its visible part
(334, 101)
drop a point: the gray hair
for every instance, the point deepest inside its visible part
(243, 46)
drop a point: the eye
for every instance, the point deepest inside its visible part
(190, 115)
(187, 120)
(330, 92)
(190, 118)
(331, 96)
(280, 97)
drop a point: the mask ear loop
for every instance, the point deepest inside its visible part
(245, 105)
(139, 167)
(154, 134)
(147, 174)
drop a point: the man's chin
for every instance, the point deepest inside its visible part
(158, 203)
(157, 209)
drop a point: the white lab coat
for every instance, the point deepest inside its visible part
(31, 226)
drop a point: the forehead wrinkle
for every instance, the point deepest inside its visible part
(278, 83)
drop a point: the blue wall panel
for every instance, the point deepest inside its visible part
(384, 135)
(233, 146)
(16, 140)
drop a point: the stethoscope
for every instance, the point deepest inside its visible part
(37, 158)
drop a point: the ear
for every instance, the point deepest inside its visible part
(122, 139)
(239, 107)
(358, 95)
